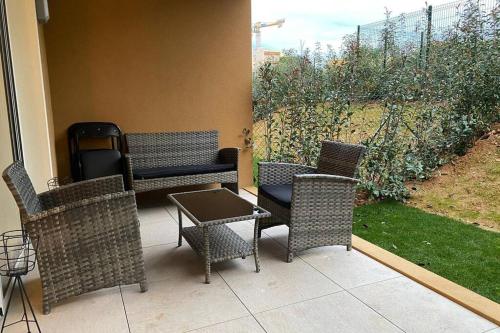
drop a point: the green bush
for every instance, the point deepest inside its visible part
(431, 111)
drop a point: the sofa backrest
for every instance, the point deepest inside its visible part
(149, 150)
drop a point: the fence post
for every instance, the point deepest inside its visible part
(429, 34)
(385, 49)
(421, 51)
(357, 41)
(357, 50)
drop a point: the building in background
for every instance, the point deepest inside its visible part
(260, 55)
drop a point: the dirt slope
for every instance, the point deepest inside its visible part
(468, 188)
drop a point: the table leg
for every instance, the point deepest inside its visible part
(206, 240)
(256, 245)
(179, 213)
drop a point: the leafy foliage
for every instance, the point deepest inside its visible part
(435, 104)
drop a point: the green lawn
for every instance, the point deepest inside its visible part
(460, 252)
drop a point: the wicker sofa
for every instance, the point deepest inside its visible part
(315, 203)
(164, 160)
(88, 234)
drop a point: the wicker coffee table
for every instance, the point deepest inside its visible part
(211, 238)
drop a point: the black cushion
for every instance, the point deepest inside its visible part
(100, 163)
(182, 170)
(280, 194)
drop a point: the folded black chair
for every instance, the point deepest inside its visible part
(99, 161)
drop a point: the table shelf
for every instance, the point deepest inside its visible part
(225, 244)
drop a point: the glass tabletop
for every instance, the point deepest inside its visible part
(217, 204)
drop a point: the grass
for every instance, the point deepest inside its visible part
(465, 189)
(462, 253)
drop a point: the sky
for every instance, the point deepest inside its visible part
(324, 21)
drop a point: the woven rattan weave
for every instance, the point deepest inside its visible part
(88, 234)
(211, 238)
(322, 199)
(153, 150)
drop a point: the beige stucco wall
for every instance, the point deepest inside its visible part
(9, 216)
(33, 109)
(33, 106)
(151, 65)
(48, 102)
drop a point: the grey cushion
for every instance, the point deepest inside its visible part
(182, 170)
(281, 194)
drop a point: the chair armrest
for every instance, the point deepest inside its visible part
(89, 207)
(129, 169)
(86, 234)
(324, 178)
(323, 191)
(271, 173)
(229, 156)
(81, 190)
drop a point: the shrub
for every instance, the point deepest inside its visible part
(429, 112)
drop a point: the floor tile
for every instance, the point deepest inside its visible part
(241, 325)
(340, 312)
(303, 296)
(153, 214)
(279, 234)
(163, 231)
(248, 196)
(415, 308)
(72, 314)
(245, 229)
(278, 283)
(172, 263)
(181, 305)
(348, 269)
(495, 330)
(172, 210)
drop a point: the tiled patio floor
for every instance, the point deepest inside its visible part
(323, 290)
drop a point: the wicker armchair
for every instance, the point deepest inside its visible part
(88, 234)
(316, 204)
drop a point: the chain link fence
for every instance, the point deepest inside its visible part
(416, 30)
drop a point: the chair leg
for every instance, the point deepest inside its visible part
(289, 256)
(144, 286)
(232, 187)
(349, 247)
(46, 307)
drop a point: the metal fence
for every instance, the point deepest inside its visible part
(416, 30)
(413, 31)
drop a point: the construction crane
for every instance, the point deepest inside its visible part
(259, 25)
